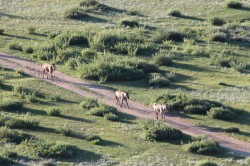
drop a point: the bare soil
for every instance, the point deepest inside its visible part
(137, 109)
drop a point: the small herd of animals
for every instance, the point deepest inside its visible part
(120, 96)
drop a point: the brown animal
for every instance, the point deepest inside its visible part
(160, 108)
(48, 69)
(120, 96)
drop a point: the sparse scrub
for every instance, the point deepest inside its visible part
(204, 146)
(111, 117)
(221, 113)
(174, 13)
(53, 111)
(162, 35)
(89, 103)
(220, 60)
(75, 13)
(233, 4)
(95, 139)
(216, 21)
(1, 82)
(64, 130)
(15, 46)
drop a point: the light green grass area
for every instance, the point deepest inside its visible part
(194, 74)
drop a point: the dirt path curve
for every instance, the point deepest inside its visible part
(107, 96)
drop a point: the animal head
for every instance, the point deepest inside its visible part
(53, 66)
(127, 95)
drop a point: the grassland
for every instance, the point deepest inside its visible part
(194, 75)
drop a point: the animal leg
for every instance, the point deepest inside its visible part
(156, 113)
(127, 102)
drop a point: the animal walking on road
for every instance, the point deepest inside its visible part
(160, 109)
(48, 69)
(120, 96)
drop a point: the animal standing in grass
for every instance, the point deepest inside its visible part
(48, 69)
(120, 96)
(160, 108)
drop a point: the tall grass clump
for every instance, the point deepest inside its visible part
(158, 131)
(216, 21)
(174, 13)
(10, 105)
(64, 130)
(202, 146)
(158, 80)
(88, 53)
(221, 113)
(220, 60)
(75, 13)
(15, 46)
(73, 63)
(97, 41)
(64, 55)
(52, 111)
(162, 58)
(89, 103)
(233, 4)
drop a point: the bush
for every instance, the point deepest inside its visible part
(102, 110)
(65, 131)
(204, 146)
(174, 13)
(174, 36)
(6, 161)
(1, 31)
(111, 117)
(64, 55)
(89, 3)
(1, 82)
(26, 121)
(15, 46)
(232, 130)
(158, 80)
(221, 113)
(206, 163)
(88, 53)
(28, 49)
(238, 66)
(196, 109)
(53, 112)
(9, 104)
(12, 136)
(39, 148)
(73, 63)
(216, 21)
(31, 30)
(220, 60)
(233, 4)
(162, 133)
(162, 60)
(75, 13)
(96, 140)
(77, 39)
(218, 37)
(129, 23)
(89, 103)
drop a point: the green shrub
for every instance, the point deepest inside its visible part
(88, 53)
(129, 23)
(6, 161)
(75, 13)
(40, 148)
(218, 37)
(196, 109)
(64, 55)
(15, 46)
(28, 49)
(12, 136)
(221, 113)
(102, 110)
(89, 3)
(158, 80)
(162, 133)
(65, 131)
(174, 13)
(163, 35)
(1, 31)
(30, 97)
(162, 60)
(31, 30)
(220, 60)
(205, 146)
(89, 103)
(216, 21)
(73, 63)
(111, 117)
(96, 140)
(232, 130)
(238, 66)
(233, 4)
(77, 39)
(10, 104)
(199, 138)
(26, 121)
(206, 163)
(53, 111)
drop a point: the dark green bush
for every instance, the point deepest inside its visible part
(162, 60)
(204, 146)
(75, 13)
(247, 161)
(174, 13)
(216, 21)
(233, 4)
(96, 140)
(162, 133)
(129, 23)
(174, 36)
(64, 55)
(232, 130)
(64, 130)
(158, 80)
(28, 49)
(77, 39)
(6, 161)
(89, 103)
(111, 117)
(196, 109)
(15, 46)
(73, 63)
(53, 111)
(89, 3)
(88, 53)
(1, 82)
(206, 163)
(11, 104)
(218, 37)
(1, 31)
(221, 113)
(102, 110)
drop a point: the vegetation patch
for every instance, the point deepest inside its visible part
(221, 113)
(158, 80)
(102, 110)
(75, 13)
(233, 4)
(111, 117)
(52, 111)
(11, 105)
(1, 31)
(232, 130)
(129, 23)
(206, 163)
(216, 21)
(6, 161)
(15, 46)
(174, 13)
(89, 103)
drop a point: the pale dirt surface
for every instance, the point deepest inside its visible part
(107, 96)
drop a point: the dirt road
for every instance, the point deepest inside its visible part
(137, 109)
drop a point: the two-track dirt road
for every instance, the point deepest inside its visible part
(136, 109)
